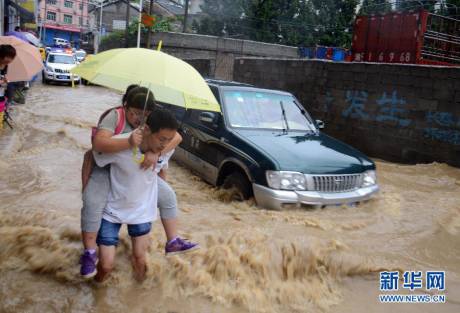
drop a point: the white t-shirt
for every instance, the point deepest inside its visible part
(163, 161)
(134, 192)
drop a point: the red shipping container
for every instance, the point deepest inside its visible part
(408, 37)
(359, 45)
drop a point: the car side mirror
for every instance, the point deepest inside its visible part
(320, 124)
(209, 119)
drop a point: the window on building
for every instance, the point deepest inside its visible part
(68, 4)
(67, 19)
(80, 21)
(53, 2)
(51, 16)
(81, 6)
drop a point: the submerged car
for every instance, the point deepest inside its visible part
(58, 66)
(264, 144)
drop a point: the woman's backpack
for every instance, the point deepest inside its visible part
(88, 158)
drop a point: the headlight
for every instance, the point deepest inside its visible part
(370, 178)
(286, 180)
(49, 69)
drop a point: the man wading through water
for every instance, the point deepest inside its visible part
(133, 196)
(96, 179)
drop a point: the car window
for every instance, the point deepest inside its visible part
(63, 59)
(263, 110)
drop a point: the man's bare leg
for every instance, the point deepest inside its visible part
(139, 258)
(106, 262)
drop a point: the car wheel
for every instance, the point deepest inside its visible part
(239, 185)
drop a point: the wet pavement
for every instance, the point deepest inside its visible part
(251, 260)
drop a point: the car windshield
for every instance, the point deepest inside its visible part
(264, 110)
(63, 59)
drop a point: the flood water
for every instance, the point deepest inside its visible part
(251, 260)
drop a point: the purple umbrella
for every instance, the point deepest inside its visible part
(19, 35)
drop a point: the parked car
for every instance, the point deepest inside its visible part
(58, 66)
(60, 42)
(80, 54)
(264, 144)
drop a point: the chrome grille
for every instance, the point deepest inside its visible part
(61, 71)
(337, 183)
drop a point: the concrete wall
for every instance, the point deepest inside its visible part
(221, 51)
(406, 113)
(203, 66)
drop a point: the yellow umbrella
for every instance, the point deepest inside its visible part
(172, 80)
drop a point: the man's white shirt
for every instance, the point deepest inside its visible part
(133, 194)
(163, 161)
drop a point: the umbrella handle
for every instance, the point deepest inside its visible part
(138, 157)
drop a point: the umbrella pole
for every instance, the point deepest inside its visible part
(141, 127)
(145, 106)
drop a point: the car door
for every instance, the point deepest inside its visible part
(201, 131)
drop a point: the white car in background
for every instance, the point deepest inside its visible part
(81, 55)
(58, 66)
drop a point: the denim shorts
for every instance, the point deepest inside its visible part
(108, 232)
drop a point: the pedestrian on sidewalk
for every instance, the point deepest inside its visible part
(7, 55)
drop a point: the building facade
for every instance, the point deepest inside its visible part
(66, 19)
(113, 16)
(17, 13)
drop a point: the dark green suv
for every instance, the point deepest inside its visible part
(266, 145)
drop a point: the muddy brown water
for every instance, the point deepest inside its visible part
(251, 260)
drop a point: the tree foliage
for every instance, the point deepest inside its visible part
(291, 22)
(115, 38)
(444, 7)
(375, 7)
(301, 22)
(453, 8)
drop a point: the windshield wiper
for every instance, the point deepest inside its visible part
(283, 112)
(307, 116)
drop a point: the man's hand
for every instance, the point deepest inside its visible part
(150, 159)
(136, 138)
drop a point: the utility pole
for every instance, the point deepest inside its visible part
(128, 5)
(184, 30)
(139, 25)
(149, 32)
(82, 21)
(100, 28)
(45, 17)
